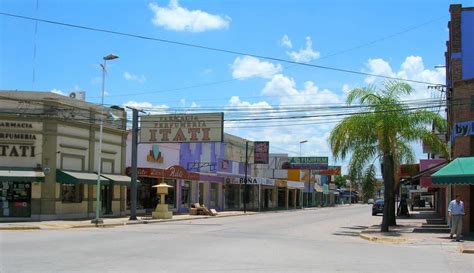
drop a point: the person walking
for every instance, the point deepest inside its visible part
(456, 212)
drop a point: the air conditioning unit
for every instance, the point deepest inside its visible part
(78, 95)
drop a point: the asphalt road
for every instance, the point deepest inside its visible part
(313, 240)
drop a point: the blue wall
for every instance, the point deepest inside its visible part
(467, 44)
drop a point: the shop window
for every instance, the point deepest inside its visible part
(186, 194)
(170, 199)
(214, 194)
(71, 193)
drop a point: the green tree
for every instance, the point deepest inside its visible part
(340, 181)
(368, 182)
(383, 131)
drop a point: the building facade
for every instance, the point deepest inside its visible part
(460, 95)
(49, 155)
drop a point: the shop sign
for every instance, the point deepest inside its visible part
(295, 184)
(311, 163)
(15, 142)
(250, 181)
(179, 128)
(407, 170)
(175, 172)
(463, 129)
(261, 149)
(331, 170)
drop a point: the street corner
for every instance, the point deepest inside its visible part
(466, 248)
(383, 237)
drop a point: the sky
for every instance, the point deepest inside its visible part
(403, 39)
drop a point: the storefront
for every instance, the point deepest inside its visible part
(49, 159)
(15, 191)
(295, 194)
(261, 193)
(185, 188)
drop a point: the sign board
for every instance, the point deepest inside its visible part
(251, 181)
(407, 170)
(463, 129)
(179, 128)
(261, 149)
(331, 170)
(312, 163)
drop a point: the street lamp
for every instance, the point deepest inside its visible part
(301, 142)
(97, 220)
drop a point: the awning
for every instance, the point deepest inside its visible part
(118, 179)
(458, 171)
(70, 177)
(23, 175)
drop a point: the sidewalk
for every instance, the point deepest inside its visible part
(110, 222)
(404, 233)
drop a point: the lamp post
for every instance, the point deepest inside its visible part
(97, 220)
(307, 195)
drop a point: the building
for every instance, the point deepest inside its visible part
(49, 153)
(460, 96)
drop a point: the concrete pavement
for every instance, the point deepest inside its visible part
(404, 233)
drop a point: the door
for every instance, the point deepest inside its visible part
(106, 198)
(15, 198)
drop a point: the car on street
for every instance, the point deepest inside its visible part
(370, 201)
(377, 207)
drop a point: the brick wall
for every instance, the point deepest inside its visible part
(464, 191)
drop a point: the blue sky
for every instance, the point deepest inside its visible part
(394, 38)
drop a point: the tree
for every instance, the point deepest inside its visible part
(368, 182)
(340, 181)
(383, 131)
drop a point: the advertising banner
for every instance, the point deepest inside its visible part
(309, 163)
(261, 152)
(331, 170)
(179, 128)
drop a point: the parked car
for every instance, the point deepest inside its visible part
(377, 207)
(370, 201)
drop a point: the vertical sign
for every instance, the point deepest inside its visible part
(261, 149)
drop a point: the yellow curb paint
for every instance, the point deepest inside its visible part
(19, 228)
(464, 250)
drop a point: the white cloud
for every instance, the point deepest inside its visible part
(305, 55)
(286, 42)
(177, 18)
(148, 107)
(248, 66)
(412, 68)
(346, 88)
(285, 88)
(59, 92)
(132, 77)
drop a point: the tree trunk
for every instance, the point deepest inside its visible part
(389, 194)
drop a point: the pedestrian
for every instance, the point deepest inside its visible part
(456, 212)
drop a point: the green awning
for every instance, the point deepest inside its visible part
(70, 177)
(118, 179)
(458, 171)
(23, 175)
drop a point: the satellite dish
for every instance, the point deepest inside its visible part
(72, 95)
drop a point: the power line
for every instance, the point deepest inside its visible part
(233, 52)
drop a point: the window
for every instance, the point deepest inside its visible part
(170, 199)
(71, 193)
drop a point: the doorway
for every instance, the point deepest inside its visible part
(106, 193)
(471, 209)
(201, 193)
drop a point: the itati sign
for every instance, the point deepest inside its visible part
(19, 143)
(179, 128)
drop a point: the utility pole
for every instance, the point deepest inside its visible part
(133, 186)
(245, 180)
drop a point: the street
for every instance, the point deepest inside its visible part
(310, 240)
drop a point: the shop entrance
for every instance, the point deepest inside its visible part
(471, 206)
(281, 197)
(15, 199)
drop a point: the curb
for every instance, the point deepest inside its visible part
(464, 250)
(366, 236)
(21, 228)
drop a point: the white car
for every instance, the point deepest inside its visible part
(370, 201)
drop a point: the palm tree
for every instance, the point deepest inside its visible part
(383, 131)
